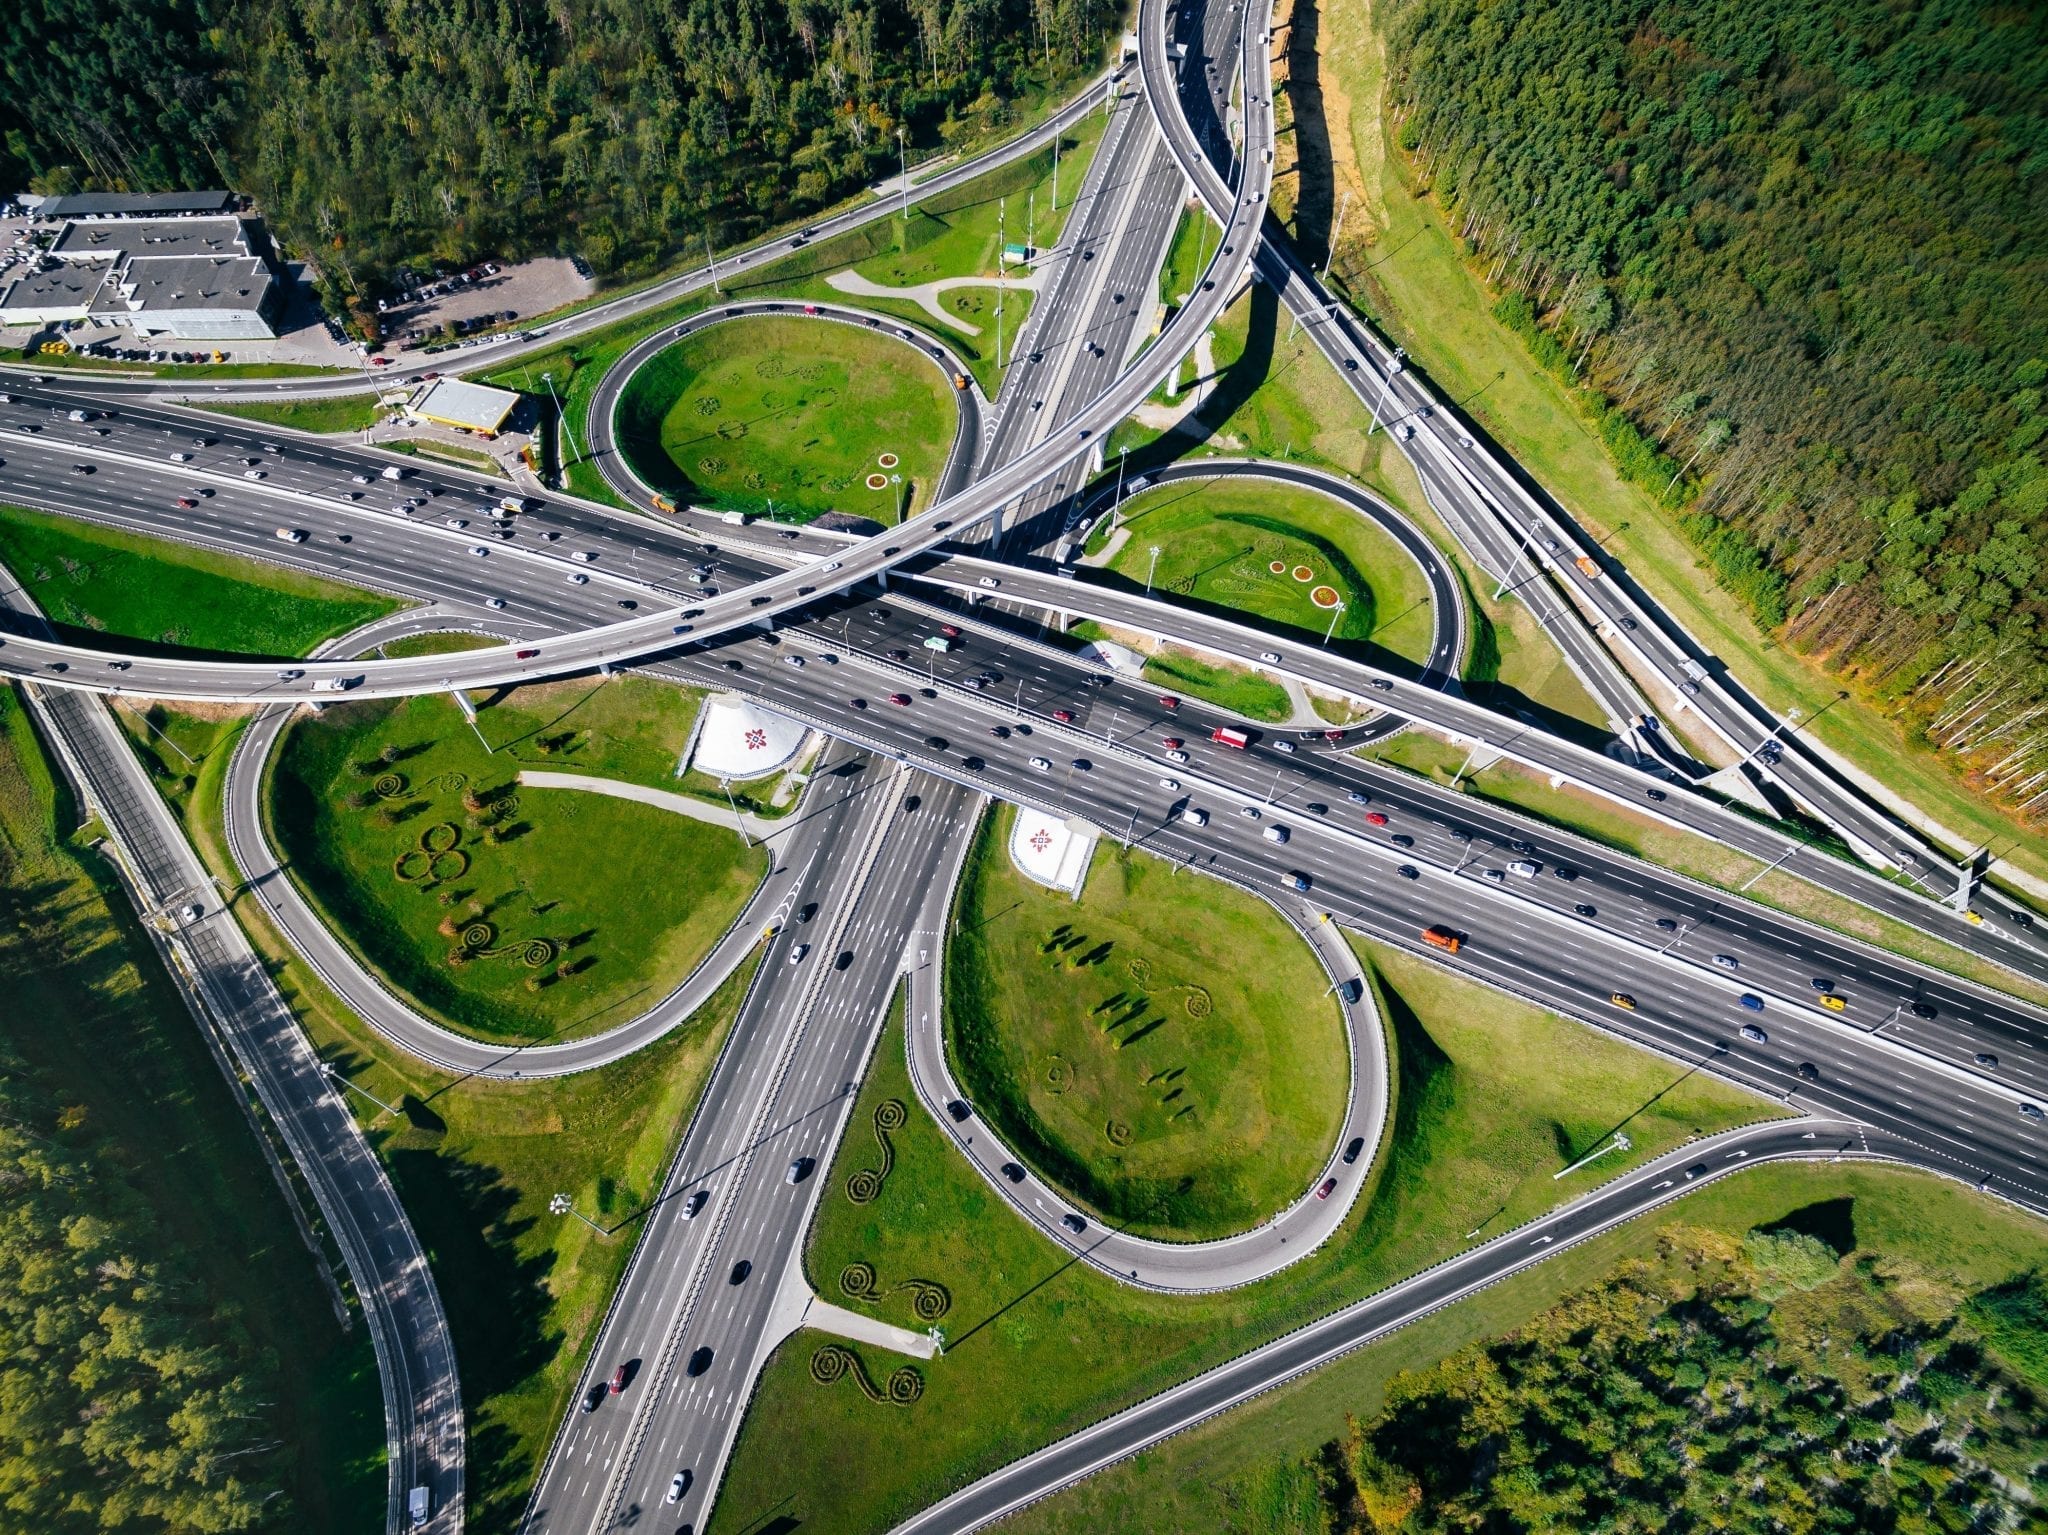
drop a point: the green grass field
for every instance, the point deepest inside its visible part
(1415, 282)
(476, 1162)
(92, 1011)
(1492, 1097)
(1219, 540)
(1230, 1475)
(446, 452)
(1194, 242)
(1234, 687)
(1163, 1048)
(512, 914)
(155, 596)
(336, 413)
(791, 415)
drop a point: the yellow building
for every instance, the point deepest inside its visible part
(465, 406)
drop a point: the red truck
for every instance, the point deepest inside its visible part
(1223, 735)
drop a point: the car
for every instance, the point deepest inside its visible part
(1353, 1151)
(740, 1271)
(499, 602)
(936, 743)
(901, 700)
(1277, 833)
(899, 655)
(1697, 1170)
(594, 1397)
(677, 1486)
(290, 674)
(1334, 737)
(700, 1361)
(1667, 925)
(119, 666)
(524, 655)
(1497, 876)
(1409, 871)
(796, 954)
(796, 661)
(478, 550)
(1073, 1223)
(252, 474)
(1566, 872)
(1316, 807)
(1169, 784)
(1622, 1000)
(1831, 1002)
(1064, 716)
(1519, 846)
(950, 631)
(1328, 1188)
(187, 502)
(857, 703)
(1177, 757)
(1168, 701)
(1270, 657)
(1013, 1172)
(2032, 1111)
(1375, 818)
(989, 581)
(1081, 764)
(1808, 1072)
(1583, 909)
(620, 1377)
(1359, 797)
(1041, 764)
(694, 1205)
(1402, 839)
(959, 1110)
(1525, 868)
(1727, 962)
(1656, 794)
(1298, 881)
(1249, 812)
(181, 458)
(1987, 1060)
(1921, 1009)
(1172, 743)
(452, 522)
(1285, 748)
(1380, 685)
(797, 1171)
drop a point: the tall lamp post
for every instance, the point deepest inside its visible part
(1152, 569)
(562, 1205)
(327, 1070)
(1116, 507)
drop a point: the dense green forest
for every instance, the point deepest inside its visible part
(1766, 1386)
(381, 133)
(1797, 253)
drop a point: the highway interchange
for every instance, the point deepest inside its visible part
(1880, 1078)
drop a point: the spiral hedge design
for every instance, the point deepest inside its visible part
(441, 837)
(450, 782)
(857, 1281)
(449, 863)
(479, 936)
(929, 1301)
(864, 1185)
(411, 866)
(389, 785)
(835, 1361)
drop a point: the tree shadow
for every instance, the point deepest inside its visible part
(1832, 1221)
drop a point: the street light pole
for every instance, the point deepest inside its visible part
(738, 820)
(903, 164)
(1619, 1143)
(1151, 570)
(1116, 507)
(1335, 614)
(561, 1205)
(327, 1070)
(711, 256)
(1386, 388)
(1336, 232)
(561, 416)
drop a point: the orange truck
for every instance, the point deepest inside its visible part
(1441, 938)
(1585, 564)
(959, 380)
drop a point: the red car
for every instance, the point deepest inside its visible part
(1374, 818)
(1168, 701)
(899, 698)
(1172, 743)
(1324, 1191)
(1333, 736)
(187, 502)
(950, 631)
(1064, 716)
(524, 655)
(618, 1380)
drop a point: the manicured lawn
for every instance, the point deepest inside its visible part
(91, 1011)
(1219, 540)
(1229, 1475)
(1194, 242)
(792, 415)
(447, 453)
(476, 1162)
(511, 913)
(1234, 687)
(1163, 1048)
(1419, 288)
(99, 583)
(1505, 783)
(337, 413)
(1492, 1098)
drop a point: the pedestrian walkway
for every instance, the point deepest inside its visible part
(926, 294)
(660, 799)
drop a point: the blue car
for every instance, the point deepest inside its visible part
(1752, 1001)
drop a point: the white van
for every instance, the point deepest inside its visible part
(1194, 817)
(1525, 868)
(393, 472)
(292, 535)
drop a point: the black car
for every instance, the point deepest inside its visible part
(959, 1110)
(700, 1361)
(1013, 1172)
(1667, 925)
(1315, 807)
(1921, 1010)
(1073, 1223)
(1522, 847)
(1354, 1150)
(1808, 1072)
(1584, 910)
(1655, 794)
(594, 1397)
(731, 665)
(1409, 871)
(1402, 839)
(1566, 872)
(739, 1273)
(936, 743)
(973, 764)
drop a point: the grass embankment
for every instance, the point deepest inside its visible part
(447, 452)
(1194, 243)
(1492, 1097)
(1163, 1048)
(334, 413)
(98, 583)
(513, 913)
(92, 1012)
(1414, 281)
(792, 416)
(961, 234)
(1508, 784)
(1236, 688)
(476, 1162)
(1219, 541)
(1237, 1475)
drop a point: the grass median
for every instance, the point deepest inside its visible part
(157, 597)
(329, 413)
(1491, 1098)
(1163, 1048)
(511, 912)
(793, 416)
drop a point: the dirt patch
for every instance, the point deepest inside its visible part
(137, 706)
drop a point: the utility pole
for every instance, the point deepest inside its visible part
(1151, 570)
(1002, 277)
(903, 163)
(711, 256)
(1336, 231)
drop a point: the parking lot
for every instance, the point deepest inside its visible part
(499, 294)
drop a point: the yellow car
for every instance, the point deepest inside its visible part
(1623, 999)
(1831, 1002)
(1975, 916)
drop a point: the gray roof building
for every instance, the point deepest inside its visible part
(201, 279)
(87, 205)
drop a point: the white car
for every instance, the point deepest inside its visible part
(1176, 756)
(1270, 657)
(1277, 833)
(452, 522)
(1285, 748)
(252, 474)
(1169, 784)
(796, 661)
(831, 566)
(676, 1485)
(585, 555)
(181, 458)
(989, 581)
(360, 479)
(478, 550)
(494, 602)
(799, 952)
(578, 578)
(1041, 764)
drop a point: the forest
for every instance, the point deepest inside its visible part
(380, 134)
(1764, 1385)
(1795, 256)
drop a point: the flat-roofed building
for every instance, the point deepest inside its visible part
(60, 291)
(465, 406)
(92, 205)
(201, 279)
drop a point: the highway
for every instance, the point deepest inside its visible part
(400, 1306)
